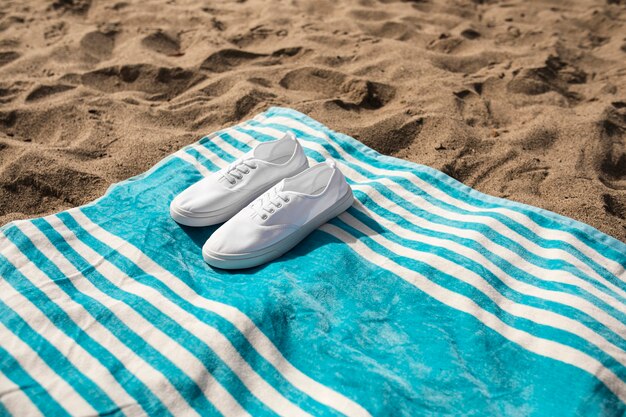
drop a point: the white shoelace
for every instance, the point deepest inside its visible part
(264, 204)
(235, 170)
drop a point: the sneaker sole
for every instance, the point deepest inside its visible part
(249, 260)
(202, 221)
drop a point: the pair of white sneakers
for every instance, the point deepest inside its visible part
(270, 200)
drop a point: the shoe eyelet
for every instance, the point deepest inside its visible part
(264, 216)
(272, 210)
(254, 167)
(279, 205)
(287, 200)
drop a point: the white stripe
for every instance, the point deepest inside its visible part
(221, 143)
(543, 347)
(161, 342)
(62, 392)
(416, 200)
(217, 139)
(82, 360)
(246, 139)
(193, 161)
(556, 253)
(204, 152)
(16, 402)
(208, 153)
(261, 343)
(215, 340)
(520, 286)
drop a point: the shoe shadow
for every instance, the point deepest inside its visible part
(199, 235)
(317, 239)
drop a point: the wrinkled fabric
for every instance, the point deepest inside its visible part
(425, 298)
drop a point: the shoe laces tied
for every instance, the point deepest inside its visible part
(269, 202)
(235, 171)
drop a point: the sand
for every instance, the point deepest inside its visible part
(523, 100)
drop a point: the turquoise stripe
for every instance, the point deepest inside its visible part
(495, 237)
(191, 393)
(29, 386)
(57, 361)
(600, 242)
(213, 148)
(129, 382)
(162, 321)
(202, 159)
(236, 143)
(222, 373)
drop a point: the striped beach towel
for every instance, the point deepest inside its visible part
(425, 298)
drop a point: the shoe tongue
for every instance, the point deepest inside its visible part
(280, 185)
(247, 156)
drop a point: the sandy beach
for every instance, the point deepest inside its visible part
(522, 100)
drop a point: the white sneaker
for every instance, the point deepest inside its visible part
(223, 194)
(280, 218)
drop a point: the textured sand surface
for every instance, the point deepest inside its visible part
(524, 100)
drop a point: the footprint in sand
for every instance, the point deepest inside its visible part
(354, 94)
(161, 82)
(390, 134)
(467, 64)
(44, 91)
(324, 81)
(607, 149)
(615, 205)
(10, 91)
(8, 57)
(33, 186)
(227, 59)
(79, 7)
(98, 44)
(555, 75)
(162, 43)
